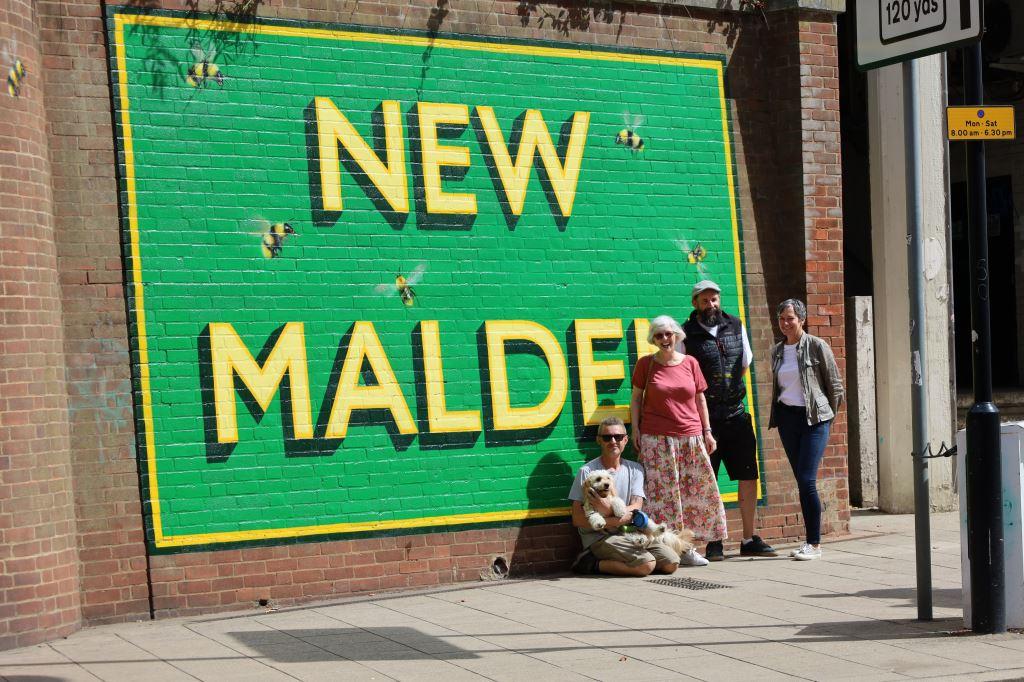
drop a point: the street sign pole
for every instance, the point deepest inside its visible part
(898, 31)
(984, 476)
(918, 380)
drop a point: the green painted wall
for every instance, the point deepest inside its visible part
(206, 170)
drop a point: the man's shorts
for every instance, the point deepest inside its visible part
(737, 447)
(622, 548)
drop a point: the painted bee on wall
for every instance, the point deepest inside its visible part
(16, 73)
(404, 285)
(630, 139)
(273, 239)
(628, 136)
(15, 77)
(204, 69)
(695, 254)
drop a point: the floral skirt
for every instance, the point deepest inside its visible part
(681, 487)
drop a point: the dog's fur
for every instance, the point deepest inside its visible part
(679, 542)
(601, 483)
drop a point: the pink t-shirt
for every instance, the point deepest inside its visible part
(670, 408)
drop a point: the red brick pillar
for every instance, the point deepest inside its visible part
(39, 587)
(823, 232)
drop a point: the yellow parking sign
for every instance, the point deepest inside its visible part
(980, 123)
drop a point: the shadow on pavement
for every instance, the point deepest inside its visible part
(946, 598)
(879, 630)
(354, 644)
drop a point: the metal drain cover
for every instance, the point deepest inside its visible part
(689, 584)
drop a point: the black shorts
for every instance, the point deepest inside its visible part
(737, 447)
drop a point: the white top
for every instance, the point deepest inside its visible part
(748, 355)
(792, 392)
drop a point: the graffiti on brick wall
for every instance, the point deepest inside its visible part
(371, 296)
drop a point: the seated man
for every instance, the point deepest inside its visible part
(608, 551)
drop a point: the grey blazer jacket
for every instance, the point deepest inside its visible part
(823, 388)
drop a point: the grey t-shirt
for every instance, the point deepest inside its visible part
(629, 483)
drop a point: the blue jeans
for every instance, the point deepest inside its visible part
(804, 446)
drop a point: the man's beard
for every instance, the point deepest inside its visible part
(711, 317)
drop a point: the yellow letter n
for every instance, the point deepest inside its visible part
(389, 179)
(229, 357)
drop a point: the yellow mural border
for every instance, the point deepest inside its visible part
(122, 19)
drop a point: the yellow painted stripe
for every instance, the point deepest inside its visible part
(740, 300)
(363, 526)
(140, 310)
(196, 24)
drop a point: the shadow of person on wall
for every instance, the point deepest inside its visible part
(545, 545)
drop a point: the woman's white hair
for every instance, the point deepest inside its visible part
(661, 323)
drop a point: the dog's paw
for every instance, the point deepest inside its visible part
(598, 524)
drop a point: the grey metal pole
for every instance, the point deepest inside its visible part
(984, 453)
(918, 392)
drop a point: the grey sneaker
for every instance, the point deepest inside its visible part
(692, 558)
(807, 553)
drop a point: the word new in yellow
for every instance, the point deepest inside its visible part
(230, 358)
(388, 175)
(981, 123)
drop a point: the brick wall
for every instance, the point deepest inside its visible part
(823, 230)
(39, 587)
(98, 373)
(783, 97)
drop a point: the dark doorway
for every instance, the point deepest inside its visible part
(1003, 301)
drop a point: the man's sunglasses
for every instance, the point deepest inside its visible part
(609, 437)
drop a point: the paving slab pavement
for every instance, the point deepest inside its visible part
(850, 616)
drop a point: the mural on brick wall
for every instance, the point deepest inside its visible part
(384, 281)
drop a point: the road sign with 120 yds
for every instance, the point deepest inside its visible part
(891, 31)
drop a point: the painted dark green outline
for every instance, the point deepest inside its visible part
(127, 272)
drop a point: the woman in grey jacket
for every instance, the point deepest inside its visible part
(806, 395)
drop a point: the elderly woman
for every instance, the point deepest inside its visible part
(806, 395)
(672, 434)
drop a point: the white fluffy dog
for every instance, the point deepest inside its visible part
(680, 541)
(601, 484)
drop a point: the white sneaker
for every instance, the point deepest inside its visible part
(692, 558)
(807, 553)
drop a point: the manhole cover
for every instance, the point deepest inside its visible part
(689, 584)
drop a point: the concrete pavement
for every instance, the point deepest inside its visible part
(849, 616)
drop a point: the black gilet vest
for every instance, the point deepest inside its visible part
(721, 361)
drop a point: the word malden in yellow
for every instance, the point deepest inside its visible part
(389, 175)
(230, 357)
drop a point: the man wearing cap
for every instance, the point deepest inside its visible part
(719, 342)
